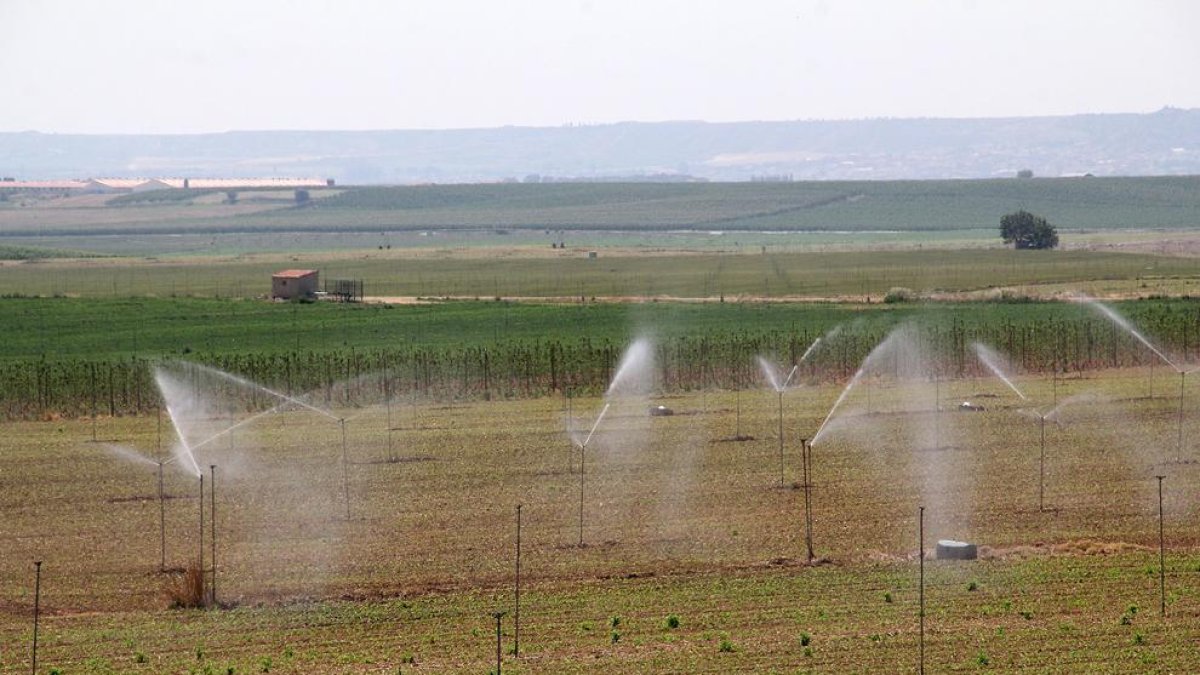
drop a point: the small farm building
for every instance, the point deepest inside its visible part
(290, 284)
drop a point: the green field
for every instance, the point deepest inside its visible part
(860, 275)
(67, 328)
(868, 208)
(679, 521)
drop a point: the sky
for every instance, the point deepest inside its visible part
(155, 66)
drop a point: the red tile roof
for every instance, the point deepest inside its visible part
(293, 274)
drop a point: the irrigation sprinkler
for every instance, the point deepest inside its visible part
(1162, 559)
(37, 609)
(497, 616)
(517, 593)
(212, 495)
(780, 389)
(582, 453)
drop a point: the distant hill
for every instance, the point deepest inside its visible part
(1166, 142)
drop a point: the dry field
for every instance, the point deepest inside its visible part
(680, 520)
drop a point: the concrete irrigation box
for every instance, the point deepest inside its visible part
(948, 549)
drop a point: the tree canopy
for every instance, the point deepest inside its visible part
(1025, 230)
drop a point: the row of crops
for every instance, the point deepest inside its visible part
(41, 388)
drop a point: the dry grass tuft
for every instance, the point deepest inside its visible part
(186, 589)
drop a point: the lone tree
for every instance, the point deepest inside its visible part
(1025, 230)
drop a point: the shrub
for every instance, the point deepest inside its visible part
(726, 646)
(887, 597)
(982, 659)
(805, 639)
(899, 294)
(672, 622)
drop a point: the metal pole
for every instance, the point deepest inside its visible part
(922, 591)
(737, 431)
(808, 514)
(497, 616)
(937, 407)
(201, 526)
(345, 469)
(517, 603)
(1182, 375)
(868, 382)
(1042, 470)
(582, 449)
(781, 438)
(570, 424)
(1162, 569)
(212, 496)
(93, 402)
(37, 609)
(387, 396)
(162, 522)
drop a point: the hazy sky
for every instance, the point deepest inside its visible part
(141, 66)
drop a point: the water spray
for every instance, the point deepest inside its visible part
(254, 385)
(995, 363)
(837, 404)
(1127, 327)
(1121, 321)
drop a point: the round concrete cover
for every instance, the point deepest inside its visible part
(949, 549)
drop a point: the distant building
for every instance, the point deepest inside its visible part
(63, 187)
(292, 284)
